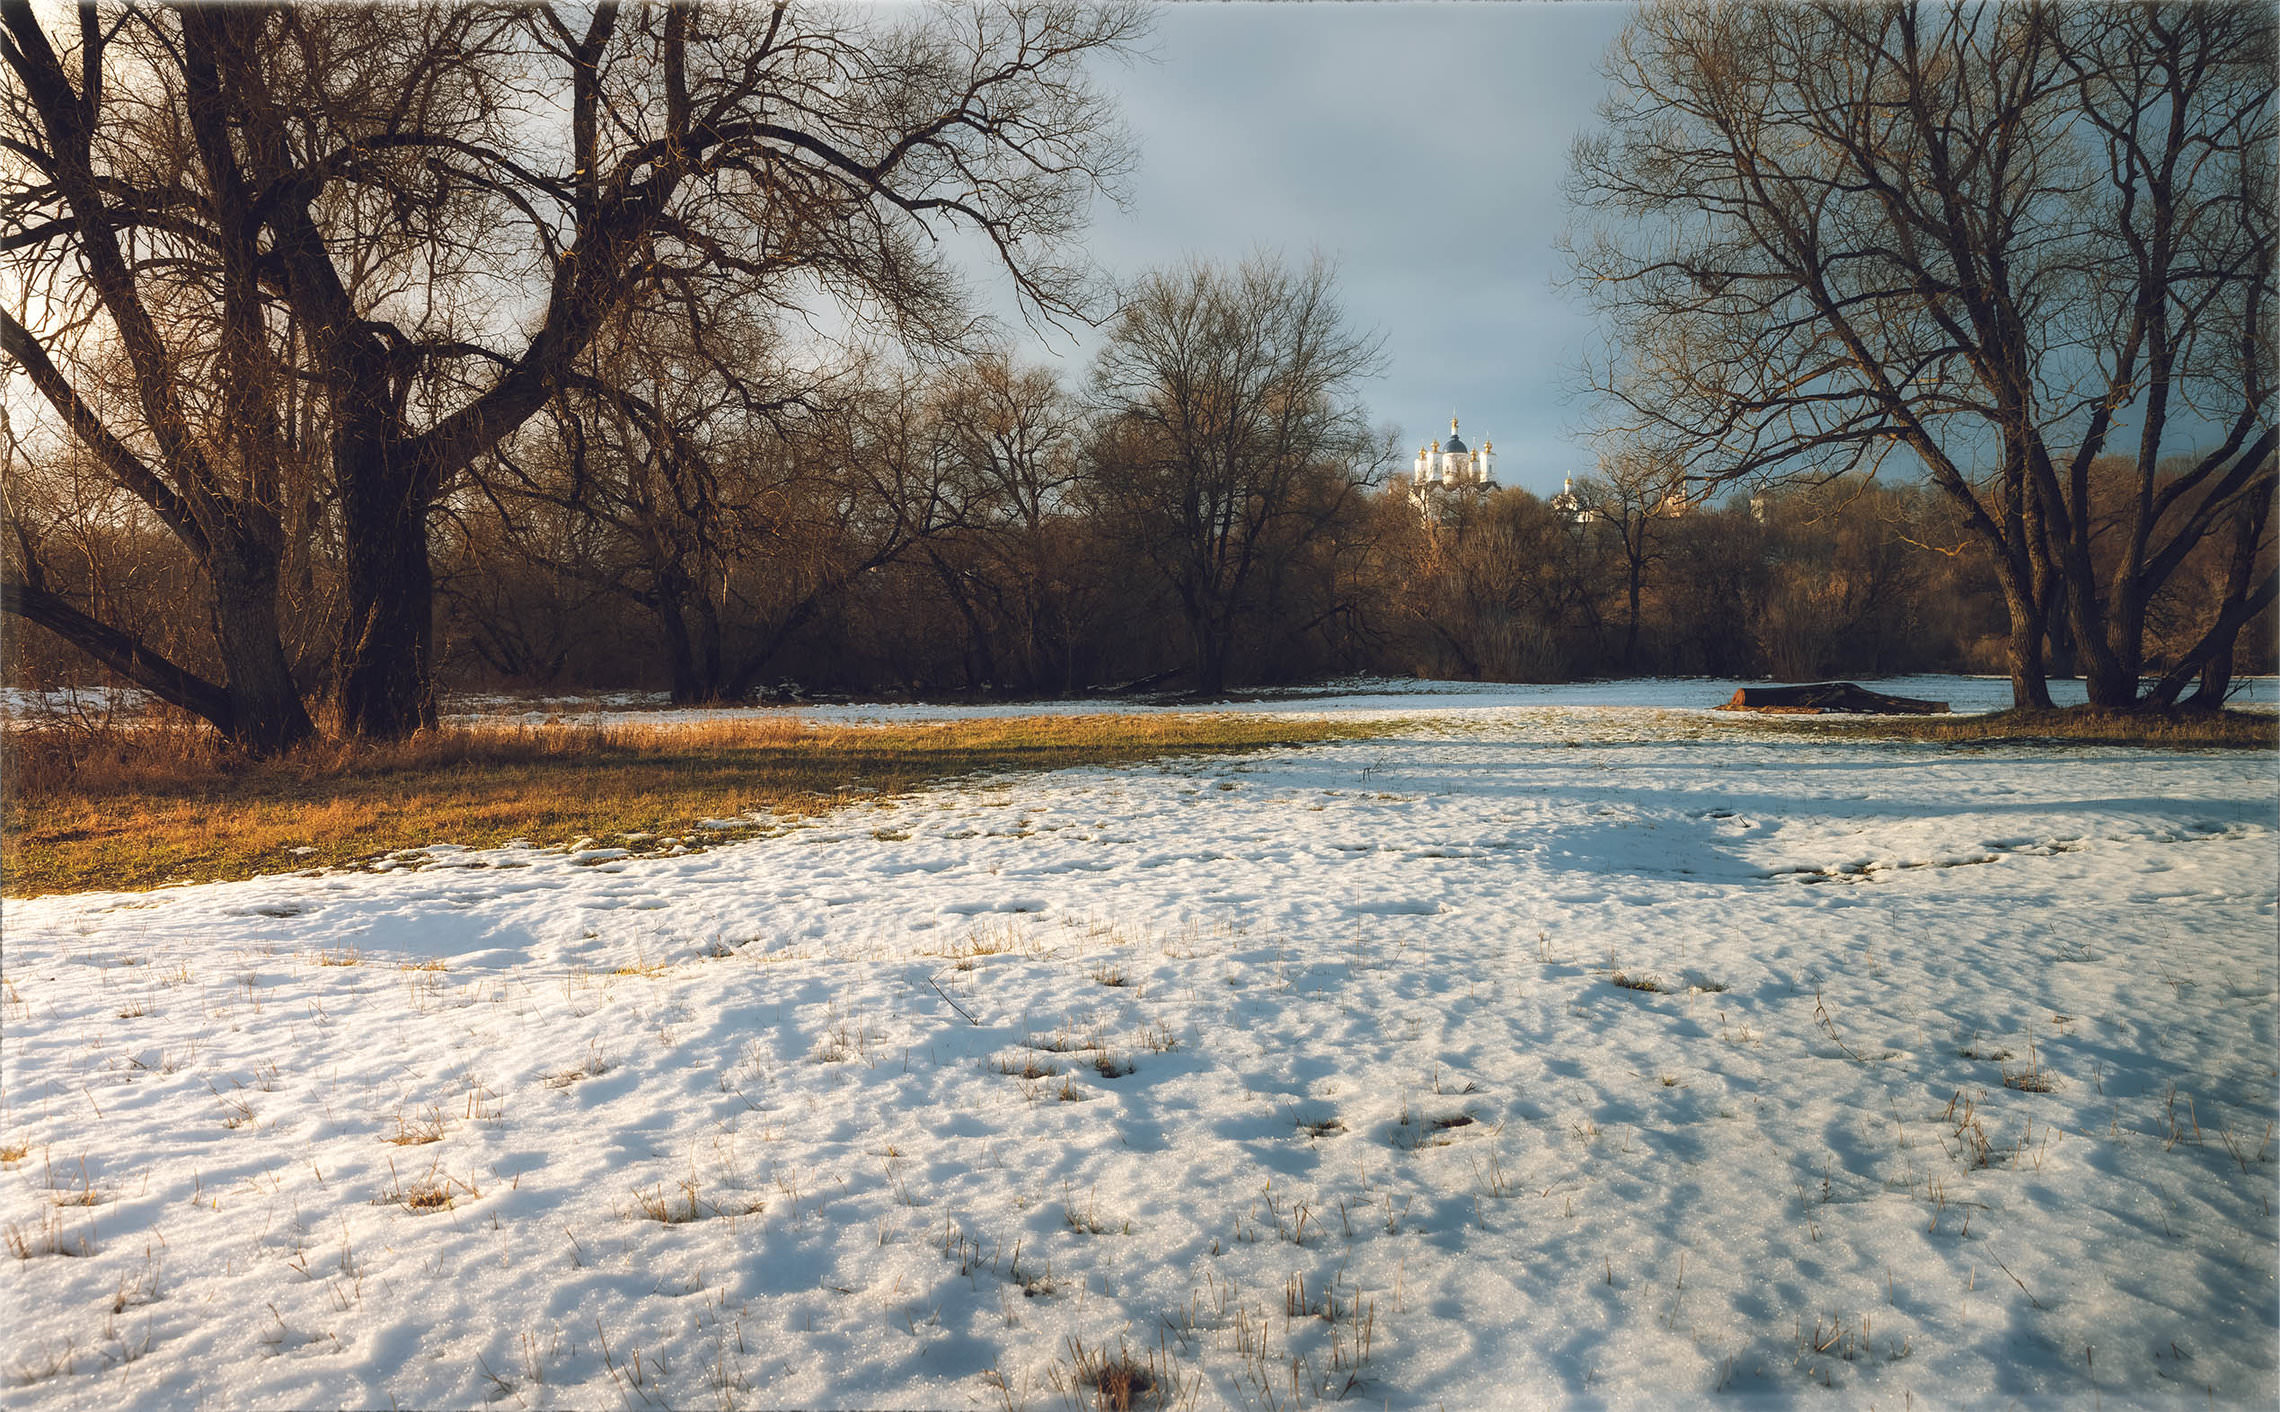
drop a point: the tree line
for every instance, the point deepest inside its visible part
(357, 350)
(986, 529)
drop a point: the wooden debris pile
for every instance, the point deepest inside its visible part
(1815, 698)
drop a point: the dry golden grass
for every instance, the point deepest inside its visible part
(2087, 725)
(139, 806)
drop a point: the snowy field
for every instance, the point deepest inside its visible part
(1547, 1051)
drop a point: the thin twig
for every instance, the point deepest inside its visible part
(2022, 1284)
(938, 990)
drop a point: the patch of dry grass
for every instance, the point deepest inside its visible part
(138, 806)
(689, 1206)
(417, 1131)
(2087, 725)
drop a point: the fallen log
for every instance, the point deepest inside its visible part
(1815, 698)
(1137, 685)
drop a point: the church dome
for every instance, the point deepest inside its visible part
(1453, 445)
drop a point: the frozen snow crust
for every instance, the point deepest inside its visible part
(1540, 1053)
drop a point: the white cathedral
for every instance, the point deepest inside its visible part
(1449, 468)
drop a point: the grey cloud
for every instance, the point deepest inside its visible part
(1422, 147)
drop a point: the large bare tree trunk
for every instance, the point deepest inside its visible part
(2245, 595)
(266, 711)
(382, 679)
(1210, 661)
(2030, 684)
(1631, 617)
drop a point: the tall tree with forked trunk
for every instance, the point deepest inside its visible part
(1999, 241)
(423, 215)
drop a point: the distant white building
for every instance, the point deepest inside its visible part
(1570, 505)
(1447, 469)
(1573, 508)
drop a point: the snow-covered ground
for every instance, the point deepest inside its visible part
(1539, 1053)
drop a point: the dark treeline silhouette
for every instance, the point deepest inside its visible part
(987, 530)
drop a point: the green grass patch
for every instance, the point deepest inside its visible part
(139, 807)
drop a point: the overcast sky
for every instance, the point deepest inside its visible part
(1421, 147)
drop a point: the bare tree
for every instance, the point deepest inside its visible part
(1711, 599)
(2246, 554)
(664, 451)
(1003, 552)
(2002, 240)
(711, 485)
(1632, 499)
(394, 207)
(72, 542)
(1228, 403)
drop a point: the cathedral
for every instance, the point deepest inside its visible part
(1448, 468)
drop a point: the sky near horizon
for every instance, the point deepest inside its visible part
(1421, 147)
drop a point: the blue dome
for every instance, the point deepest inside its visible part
(1453, 444)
